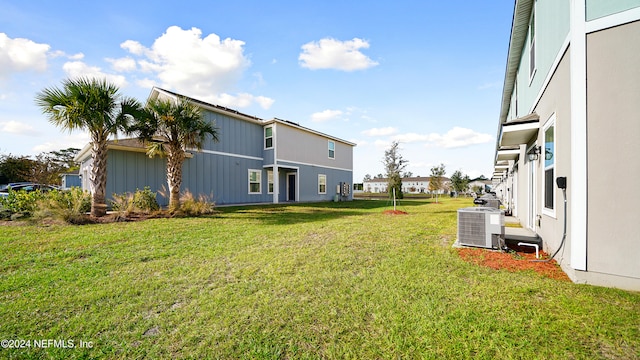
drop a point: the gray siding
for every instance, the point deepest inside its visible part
(128, 171)
(236, 136)
(613, 105)
(304, 147)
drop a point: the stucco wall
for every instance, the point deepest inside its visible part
(613, 127)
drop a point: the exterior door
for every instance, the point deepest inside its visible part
(291, 187)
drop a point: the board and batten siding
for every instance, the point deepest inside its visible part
(129, 171)
(308, 181)
(598, 8)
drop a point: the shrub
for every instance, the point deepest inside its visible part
(70, 206)
(190, 206)
(20, 203)
(142, 201)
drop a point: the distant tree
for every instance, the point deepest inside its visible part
(436, 181)
(14, 168)
(367, 177)
(394, 164)
(407, 174)
(460, 182)
(477, 189)
(379, 176)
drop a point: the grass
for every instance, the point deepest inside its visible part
(294, 281)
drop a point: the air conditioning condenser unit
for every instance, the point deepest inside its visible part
(481, 227)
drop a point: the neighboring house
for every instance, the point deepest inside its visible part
(570, 108)
(410, 185)
(255, 161)
(71, 180)
(483, 185)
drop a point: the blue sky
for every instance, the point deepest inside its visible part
(426, 73)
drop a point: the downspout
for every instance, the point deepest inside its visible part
(276, 175)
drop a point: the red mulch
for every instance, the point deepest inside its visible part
(394, 212)
(513, 262)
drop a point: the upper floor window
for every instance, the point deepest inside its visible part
(532, 44)
(255, 182)
(268, 137)
(332, 149)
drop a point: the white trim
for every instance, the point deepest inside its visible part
(329, 142)
(272, 177)
(297, 184)
(264, 137)
(308, 164)
(276, 171)
(616, 19)
(532, 195)
(231, 155)
(249, 181)
(545, 210)
(578, 180)
(325, 184)
(532, 43)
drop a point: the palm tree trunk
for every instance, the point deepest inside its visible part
(99, 174)
(175, 158)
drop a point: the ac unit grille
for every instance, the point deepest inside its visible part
(480, 227)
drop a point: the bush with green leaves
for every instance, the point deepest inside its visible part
(142, 201)
(20, 203)
(70, 206)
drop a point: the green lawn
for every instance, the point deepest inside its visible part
(303, 281)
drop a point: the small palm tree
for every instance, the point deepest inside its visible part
(169, 129)
(94, 105)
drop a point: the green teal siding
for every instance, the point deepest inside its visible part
(601, 8)
(552, 30)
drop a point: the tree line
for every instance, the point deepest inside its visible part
(44, 168)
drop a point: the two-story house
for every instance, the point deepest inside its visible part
(255, 161)
(570, 118)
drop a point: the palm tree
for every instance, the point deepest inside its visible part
(169, 129)
(96, 106)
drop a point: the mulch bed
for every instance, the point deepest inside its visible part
(395, 212)
(513, 262)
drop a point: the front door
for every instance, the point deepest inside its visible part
(291, 187)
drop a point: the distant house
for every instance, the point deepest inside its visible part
(70, 180)
(410, 185)
(570, 106)
(255, 161)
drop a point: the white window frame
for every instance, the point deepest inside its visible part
(270, 182)
(545, 210)
(322, 176)
(330, 150)
(533, 66)
(259, 181)
(270, 137)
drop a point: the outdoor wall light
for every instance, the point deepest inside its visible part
(533, 154)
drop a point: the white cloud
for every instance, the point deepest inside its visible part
(382, 144)
(459, 137)
(122, 64)
(21, 55)
(325, 115)
(77, 140)
(76, 69)
(454, 138)
(386, 131)
(330, 53)
(206, 68)
(18, 128)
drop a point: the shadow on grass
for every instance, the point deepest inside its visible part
(291, 213)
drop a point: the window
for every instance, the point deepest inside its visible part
(269, 182)
(268, 137)
(549, 165)
(532, 44)
(332, 150)
(322, 184)
(255, 185)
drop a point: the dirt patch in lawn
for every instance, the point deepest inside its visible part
(513, 261)
(394, 212)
